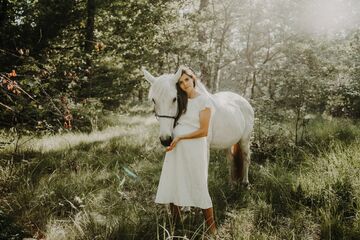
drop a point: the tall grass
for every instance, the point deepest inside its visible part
(102, 186)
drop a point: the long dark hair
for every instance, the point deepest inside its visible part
(182, 98)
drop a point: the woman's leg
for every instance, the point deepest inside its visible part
(210, 220)
(175, 212)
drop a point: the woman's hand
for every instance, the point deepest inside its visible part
(173, 144)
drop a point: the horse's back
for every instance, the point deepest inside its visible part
(233, 119)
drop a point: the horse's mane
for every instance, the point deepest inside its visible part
(162, 86)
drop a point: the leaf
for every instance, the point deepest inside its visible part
(12, 74)
(130, 173)
(10, 86)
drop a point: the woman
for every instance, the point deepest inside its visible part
(183, 180)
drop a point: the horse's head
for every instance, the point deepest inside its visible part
(164, 96)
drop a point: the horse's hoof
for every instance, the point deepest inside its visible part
(246, 185)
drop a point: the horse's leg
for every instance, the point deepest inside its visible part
(244, 145)
(230, 159)
(240, 160)
(236, 163)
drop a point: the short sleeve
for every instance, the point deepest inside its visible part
(204, 102)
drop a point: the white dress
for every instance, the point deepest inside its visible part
(184, 175)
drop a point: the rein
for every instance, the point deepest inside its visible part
(166, 116)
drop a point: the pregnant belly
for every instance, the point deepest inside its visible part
(183, 129)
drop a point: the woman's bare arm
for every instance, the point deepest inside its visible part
(204, 126)
(201, 132)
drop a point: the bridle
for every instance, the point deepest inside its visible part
(163, 116)
(172, 117)
(166, 116)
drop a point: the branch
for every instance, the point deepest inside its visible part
(10, 53)
(229, 61)
(271, 57)
(248, 50)
(16, 85)
(7, 107)
(7, 94)
(25, 92)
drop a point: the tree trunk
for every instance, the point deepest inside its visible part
(271, 88)
(298, 111)
(90, 38)
(245, 89)
(217, 80)
(3, 12)
(4, 5)
(203, 4)
(253, 84)
(141, 94)
(90, 26)
(204, 67)
(219, 57)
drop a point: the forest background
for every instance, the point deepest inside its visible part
(70, 70)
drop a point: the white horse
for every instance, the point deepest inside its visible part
(231, 127)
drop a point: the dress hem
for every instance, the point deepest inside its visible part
(183, 205)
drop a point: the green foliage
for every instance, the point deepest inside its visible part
(240, 46)
(330, 133)
(101, 184)
(83, 190)
(54, 65)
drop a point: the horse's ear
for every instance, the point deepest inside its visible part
(177, 75)
(150, 78)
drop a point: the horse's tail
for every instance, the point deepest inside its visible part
(237, 163)
(240, 156)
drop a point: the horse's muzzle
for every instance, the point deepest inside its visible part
(166, 142)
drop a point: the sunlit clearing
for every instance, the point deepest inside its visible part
(68, 140)
(330, 16)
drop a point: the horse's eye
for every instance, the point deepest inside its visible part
(174, 100)
(153, 100)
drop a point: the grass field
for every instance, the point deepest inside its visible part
(102, 186)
